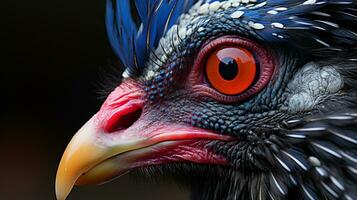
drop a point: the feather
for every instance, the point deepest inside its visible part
(298, 158)
(308, 193)
(326, 149)
(277, 186)
(132, 41)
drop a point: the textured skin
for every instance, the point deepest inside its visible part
(298, 136)
(311, 84)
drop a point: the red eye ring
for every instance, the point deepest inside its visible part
(264, 59)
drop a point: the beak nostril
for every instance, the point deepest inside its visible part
(129, 119)
(123, 121)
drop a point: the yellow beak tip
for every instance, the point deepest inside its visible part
(84, 154)
(63, 190)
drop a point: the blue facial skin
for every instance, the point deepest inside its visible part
(271, 155)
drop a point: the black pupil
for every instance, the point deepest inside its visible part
(228, 68)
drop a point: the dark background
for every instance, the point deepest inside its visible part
(52, 55)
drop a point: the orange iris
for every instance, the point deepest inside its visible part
(231, 70)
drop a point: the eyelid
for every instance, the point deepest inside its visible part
(265, 60)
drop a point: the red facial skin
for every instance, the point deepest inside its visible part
(122, 102)
(194, 151)
(167, 143)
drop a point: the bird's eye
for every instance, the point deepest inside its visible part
(231, 70)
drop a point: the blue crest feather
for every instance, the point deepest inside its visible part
(133, 41)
